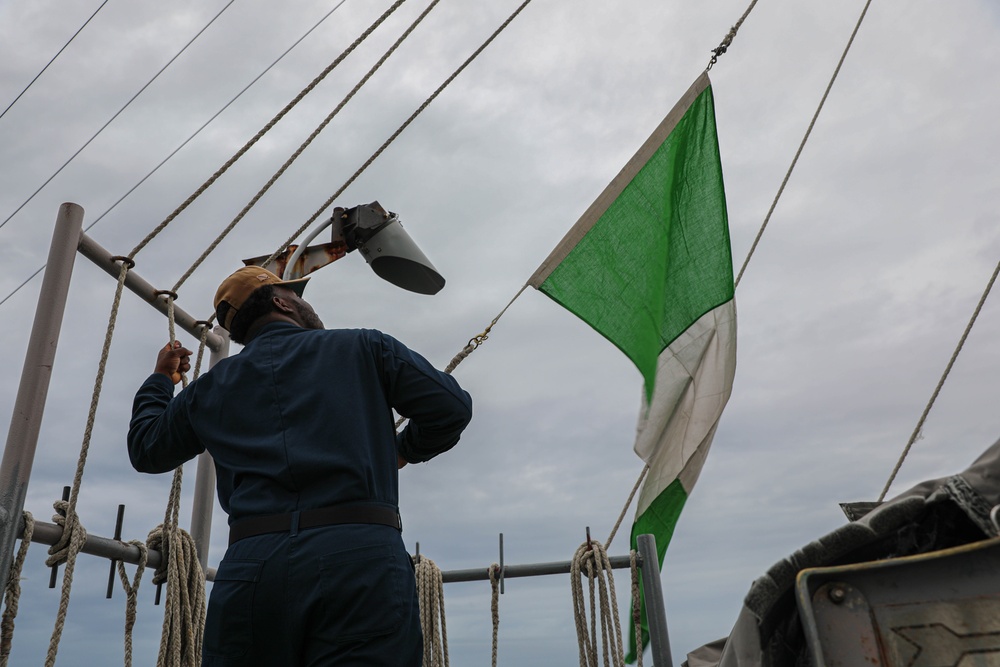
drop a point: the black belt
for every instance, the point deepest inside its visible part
(323, 516)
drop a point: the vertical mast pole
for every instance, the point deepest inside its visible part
(204, 483)
(656, 617)
(26, 421)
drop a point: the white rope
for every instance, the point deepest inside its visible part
(628, 503)
(73, 535)
(430, 595)
(591, 560)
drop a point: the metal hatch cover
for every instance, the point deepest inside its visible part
(940, 609)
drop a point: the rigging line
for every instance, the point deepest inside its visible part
(281, 114)
(4, 113)
(727, 41)
(186, 141)
(395, 134)
(802, 145)
(267, 186)
(940, 384)
(117, 113)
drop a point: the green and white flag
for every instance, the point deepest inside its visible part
(649, 266)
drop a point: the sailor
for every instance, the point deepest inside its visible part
(300, 425)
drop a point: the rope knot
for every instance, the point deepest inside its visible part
(73, 534)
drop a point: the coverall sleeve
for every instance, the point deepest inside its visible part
(160, 436)
(437, 407)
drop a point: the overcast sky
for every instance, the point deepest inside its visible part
(848, 313)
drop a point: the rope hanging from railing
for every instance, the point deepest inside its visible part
(430, 595)
(495, 610)
(132, 594)
(591, 560)
(633, 562)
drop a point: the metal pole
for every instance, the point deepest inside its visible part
(530, 570)
(50, 533)
(22, 438)
(204, 483)
(656, 615)
(93, 251)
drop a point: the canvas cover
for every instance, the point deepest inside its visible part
(933, 515)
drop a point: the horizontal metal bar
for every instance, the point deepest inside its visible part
(93, 251)
(531, 570)
(49, 533)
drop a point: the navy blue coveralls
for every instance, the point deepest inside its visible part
(302, 419)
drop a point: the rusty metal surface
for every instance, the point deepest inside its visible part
(312, 258)
(940, 609)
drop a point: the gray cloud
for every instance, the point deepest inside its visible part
(849, 310)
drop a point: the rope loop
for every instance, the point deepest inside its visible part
(132, 593)
(170, 294)
(73, 534)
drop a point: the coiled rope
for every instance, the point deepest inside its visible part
(592, 560)
(430, 595)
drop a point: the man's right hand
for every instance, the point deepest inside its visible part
(172, 360)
